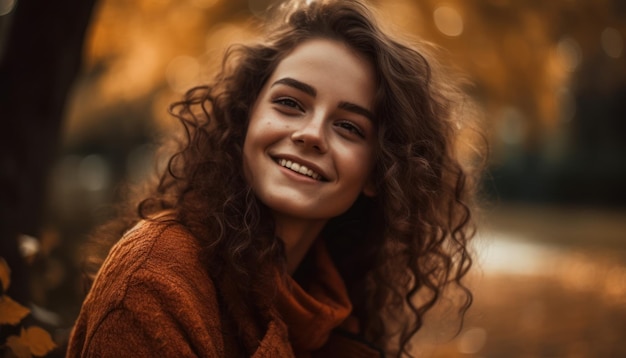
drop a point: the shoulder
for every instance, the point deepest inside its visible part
(152, 252)
(150, 243)
(153, 277)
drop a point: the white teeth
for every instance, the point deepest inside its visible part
(299, 168)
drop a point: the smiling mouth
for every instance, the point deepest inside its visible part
(299, 168)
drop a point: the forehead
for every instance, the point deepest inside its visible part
(330, 66)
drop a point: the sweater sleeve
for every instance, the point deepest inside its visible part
(152, 298)
(124, 333)
(154, 322)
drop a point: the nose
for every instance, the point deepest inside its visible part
(311, 134)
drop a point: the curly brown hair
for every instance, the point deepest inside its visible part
(410, 241)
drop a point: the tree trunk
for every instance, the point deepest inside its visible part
(39, 63)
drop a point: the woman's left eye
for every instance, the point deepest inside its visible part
(351, 127)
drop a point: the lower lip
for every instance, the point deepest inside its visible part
(297, 176)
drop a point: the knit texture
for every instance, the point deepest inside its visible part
(153, 297)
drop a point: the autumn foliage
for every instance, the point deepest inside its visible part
(33, 340)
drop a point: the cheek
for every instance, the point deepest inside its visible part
(363, 160)
(261, 125)
(254, 134)
(247, 172)
(357, 167)
(249, 150)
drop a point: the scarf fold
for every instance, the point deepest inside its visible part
(312, 314)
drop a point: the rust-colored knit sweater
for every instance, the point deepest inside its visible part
(154, 298)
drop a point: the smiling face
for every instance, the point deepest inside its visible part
(309, 148)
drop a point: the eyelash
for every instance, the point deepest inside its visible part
(288, 102)
(351, 127)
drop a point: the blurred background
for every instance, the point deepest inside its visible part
(84, 91)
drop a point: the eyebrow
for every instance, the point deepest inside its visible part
(288, 81)
(355, 108)
(311, 91)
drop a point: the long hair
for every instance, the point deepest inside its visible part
(397, 251)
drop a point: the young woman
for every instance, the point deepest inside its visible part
(316, 207)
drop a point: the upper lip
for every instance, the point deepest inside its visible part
(301, 161)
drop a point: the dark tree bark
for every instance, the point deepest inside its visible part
(41, 59)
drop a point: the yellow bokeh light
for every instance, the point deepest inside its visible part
(570, 53)
(448, 21)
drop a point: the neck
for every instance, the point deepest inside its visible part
(298, 235)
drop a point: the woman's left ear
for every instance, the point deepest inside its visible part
(369, 189)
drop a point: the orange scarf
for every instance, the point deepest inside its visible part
(312, 314)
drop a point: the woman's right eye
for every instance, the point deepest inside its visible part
(288, 102)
